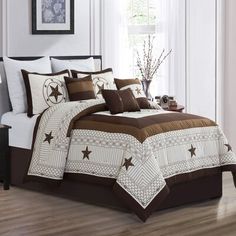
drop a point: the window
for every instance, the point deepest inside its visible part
(141, 20)
(127, 23)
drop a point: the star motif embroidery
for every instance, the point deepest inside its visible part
(138, 91)
(229, 147)
(55, 92)
(100, 88)
(48, 138)
(128, 163)
(86, 153)
(192, 151)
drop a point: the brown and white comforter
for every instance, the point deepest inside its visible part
(143, 153)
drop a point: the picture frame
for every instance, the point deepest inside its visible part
(52, 16)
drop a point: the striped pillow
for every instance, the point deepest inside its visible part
(80, 89)
(137, 89)
(103, 79)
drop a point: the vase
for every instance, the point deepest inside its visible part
(146, 88)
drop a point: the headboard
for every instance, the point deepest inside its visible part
(4, 97)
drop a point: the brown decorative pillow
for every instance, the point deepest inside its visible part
(44, 90)
(113, 101)
(129, 101)
(120, 101)
(137, 89)
(80, 89)
(103, 79)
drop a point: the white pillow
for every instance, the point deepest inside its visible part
(15, 81)
(44, 90)
(80, 65)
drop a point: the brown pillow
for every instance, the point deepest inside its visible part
(137, 89)
(129, 101)
(113, 101)
(120, 101)
(103, 79)
(80, 89)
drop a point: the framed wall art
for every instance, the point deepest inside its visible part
(52, 16)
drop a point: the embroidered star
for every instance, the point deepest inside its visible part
(100, 88)
(138, 90)
(128, 163)
(229, 147)
(192, 151)
(86, 153)
(48, 138)
(55, 92)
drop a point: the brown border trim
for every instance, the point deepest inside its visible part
(143, 214)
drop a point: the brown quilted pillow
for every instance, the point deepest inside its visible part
(120, 101)
(129, 101)
(113, 101)
(80, 89)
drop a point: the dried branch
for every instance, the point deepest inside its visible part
(149, 65)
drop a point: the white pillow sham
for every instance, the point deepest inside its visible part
(15, 81)
(80, 65)
(44, 90)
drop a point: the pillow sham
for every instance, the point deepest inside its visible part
(137, 89)
(44, 90)
(80, 89)
(15, 82)
(101, 80)
(119, 101)
(80, 65)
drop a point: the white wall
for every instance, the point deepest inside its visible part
(0, 28)
(230, 73)
(20, 41)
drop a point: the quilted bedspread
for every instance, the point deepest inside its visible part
(144, 153)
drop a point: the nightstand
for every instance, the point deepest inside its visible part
(179, 108)
(4, 157)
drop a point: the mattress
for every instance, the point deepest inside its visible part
(22, 129)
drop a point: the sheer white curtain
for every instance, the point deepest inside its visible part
(115, 46)
(170, 34)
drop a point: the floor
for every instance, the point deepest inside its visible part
(28, 213)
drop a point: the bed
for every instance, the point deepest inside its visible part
(160, 153)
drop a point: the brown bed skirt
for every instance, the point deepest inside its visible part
(201, 189)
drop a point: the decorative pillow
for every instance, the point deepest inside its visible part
(113, 101)
(137, 89)
(15, 82)
(44, 90)
(80, 65)
(120, 101)
(129, 101)
(101, 80)
(80, 89)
